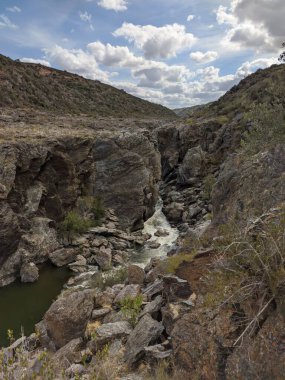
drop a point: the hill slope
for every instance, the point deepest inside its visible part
(26, 85)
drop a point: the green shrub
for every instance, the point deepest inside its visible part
(91, 205)
(268, 129)
(209, 183)
(74, 224)
(174, 262)
(131, 308)
(250, 265)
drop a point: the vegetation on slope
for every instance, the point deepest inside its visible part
(26, 85)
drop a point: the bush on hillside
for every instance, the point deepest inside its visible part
(251, 266)
(266, 131)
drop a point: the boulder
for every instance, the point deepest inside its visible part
(161, 232)
(104, 258)
(157, 352)
(29, 272)
(192, 165)
(154, 245)
(79, 266)
(67, 354)
(111, 331)
(105, 298)
(68, 316)
(129, 291)
(175, 288)
(136, 275)
(63, 256)
(152, 307)
(100, 313)
(153, 289)
(147, 331)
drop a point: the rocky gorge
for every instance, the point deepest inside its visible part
(138, 322)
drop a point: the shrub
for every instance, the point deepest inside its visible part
(131, 308)
(209, 183)
(267, 129)
(250, 265)
(91, 205)
(74, 224)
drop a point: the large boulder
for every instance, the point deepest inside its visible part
(147, 331)
(29, 272)
(192, 166)
(136, 274)
(63, 256)
(68, 316)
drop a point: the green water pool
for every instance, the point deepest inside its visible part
(23, 305)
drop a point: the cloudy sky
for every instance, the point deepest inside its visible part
(174, 52)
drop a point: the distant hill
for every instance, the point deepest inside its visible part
(188, 111)
(28, 85)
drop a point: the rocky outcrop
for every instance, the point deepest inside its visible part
(68, 316)
(42, 180)
(249, 186)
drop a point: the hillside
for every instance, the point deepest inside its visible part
(264, 86)
(27, 85)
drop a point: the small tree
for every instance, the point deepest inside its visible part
(282, 55)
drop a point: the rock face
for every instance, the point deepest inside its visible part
(247, 188)
(67, 317)
(42, 180)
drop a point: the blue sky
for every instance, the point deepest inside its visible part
(174, 52)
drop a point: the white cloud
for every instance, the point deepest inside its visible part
(5, 22)
(14, 9)
(190, 17)
(157, 42)
(256, 25)
(207, 57)
(116, 5)
(34, 60)
(156, 81)
(86, 17)
(110, 55)
(76, 61)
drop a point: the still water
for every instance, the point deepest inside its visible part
(23, 305)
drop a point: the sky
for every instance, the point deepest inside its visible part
(178, 53)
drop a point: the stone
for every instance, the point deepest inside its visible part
(154, 245)
(111, 331)
(68, 316)
(67, 354)
(100, 313)
(147, 331)
(152, 307)
(129, 291)
(194, 211)
(105, 298)
(161, 232)
(192, 165)
(157, 352)
(175, 288)
(75, 370)
(136, 275)
(104, 258)
(63, 256)
(29, 272)
(153, 289)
